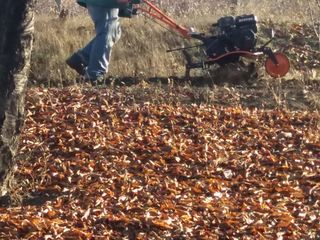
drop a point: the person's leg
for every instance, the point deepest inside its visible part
(97, 53)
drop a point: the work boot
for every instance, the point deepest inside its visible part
(76, 62)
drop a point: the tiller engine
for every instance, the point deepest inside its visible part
(235, 37)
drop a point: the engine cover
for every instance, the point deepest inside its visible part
(242, 39)
(235, 34)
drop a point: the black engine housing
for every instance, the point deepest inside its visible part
(234, 34)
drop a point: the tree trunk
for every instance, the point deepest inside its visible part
(16, 38)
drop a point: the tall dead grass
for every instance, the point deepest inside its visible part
(142, 48)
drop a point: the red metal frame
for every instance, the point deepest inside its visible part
(158, 14)
(241, 53)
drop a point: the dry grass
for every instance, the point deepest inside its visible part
(278, 9)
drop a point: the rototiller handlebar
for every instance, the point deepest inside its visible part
(236, 37)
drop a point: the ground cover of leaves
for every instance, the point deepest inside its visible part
(95, 164)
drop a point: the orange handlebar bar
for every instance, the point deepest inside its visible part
(156, 13)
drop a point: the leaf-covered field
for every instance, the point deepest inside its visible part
(95, 164)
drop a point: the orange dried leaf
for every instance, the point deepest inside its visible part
(162, 224)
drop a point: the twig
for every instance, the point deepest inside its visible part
(303, 49)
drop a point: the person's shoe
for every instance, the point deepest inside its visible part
(76, 63)
(100, 81)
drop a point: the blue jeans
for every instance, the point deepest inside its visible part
(96, 54)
